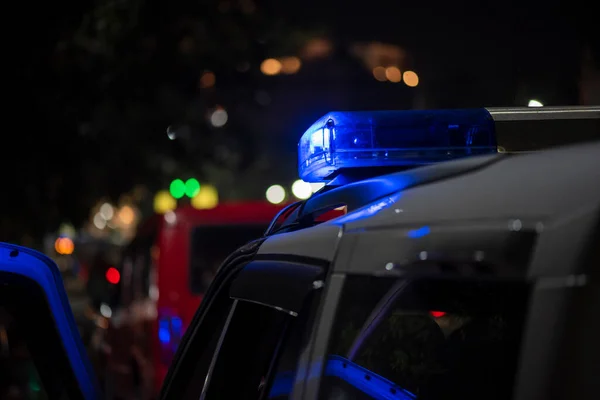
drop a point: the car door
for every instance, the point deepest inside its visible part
(42, 355)
(251, 327)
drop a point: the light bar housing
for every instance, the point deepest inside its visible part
(368, 139)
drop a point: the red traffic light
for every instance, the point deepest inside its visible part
(113, 276)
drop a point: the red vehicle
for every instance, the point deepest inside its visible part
(162, 278)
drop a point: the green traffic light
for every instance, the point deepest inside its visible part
(177, 188)
(192, 187)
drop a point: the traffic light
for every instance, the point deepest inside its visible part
(192, 187)
(177, 188)
(112, 275)
(189, 188)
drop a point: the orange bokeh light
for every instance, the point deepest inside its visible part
(393, 74)
(126, 215)
(290, 65)
(207, 80)
(379, 74)
(270, 66)
(64, 246)
(411, 78)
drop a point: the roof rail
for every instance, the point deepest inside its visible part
(536, 128)
(544, 113)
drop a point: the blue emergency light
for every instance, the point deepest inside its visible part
(349, 140)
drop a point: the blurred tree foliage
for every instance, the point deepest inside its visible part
(104, 80)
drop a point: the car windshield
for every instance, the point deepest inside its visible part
(425, 339)
(210, 245)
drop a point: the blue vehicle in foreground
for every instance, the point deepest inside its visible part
(457, 272)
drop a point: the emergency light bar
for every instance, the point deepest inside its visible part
(345, 140)
(403, 139)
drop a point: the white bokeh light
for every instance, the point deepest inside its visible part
(218, 118)
(275, 194)
(170, 217)
(107, 211)
(105, 310)
(301, 189)
(99, 221)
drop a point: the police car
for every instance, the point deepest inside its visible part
(457, 272)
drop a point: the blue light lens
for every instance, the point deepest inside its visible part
(341, 140)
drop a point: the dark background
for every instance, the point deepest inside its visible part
(93, 86)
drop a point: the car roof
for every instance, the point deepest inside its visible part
(539, 186)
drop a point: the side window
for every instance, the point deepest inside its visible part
(249, 345)
(281, 378)
(261, 348)
(195, 362)
(426, 339)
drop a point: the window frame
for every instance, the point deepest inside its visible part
(227, 330)
(281, 285)
(304, 322)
